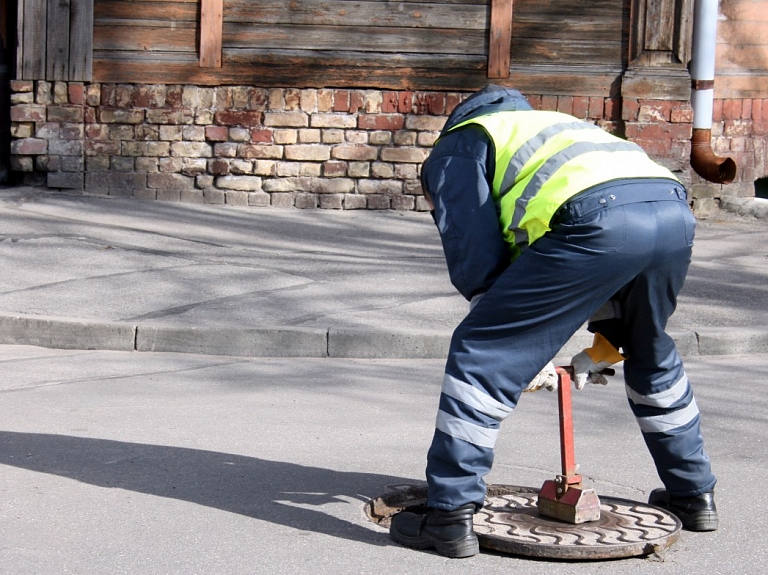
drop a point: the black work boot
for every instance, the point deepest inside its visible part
(449, 532)
(697, 513)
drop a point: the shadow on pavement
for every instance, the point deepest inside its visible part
(272, 491)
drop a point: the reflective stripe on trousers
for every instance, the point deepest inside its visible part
(605, 243)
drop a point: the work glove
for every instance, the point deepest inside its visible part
(547, 377)
(588, 364)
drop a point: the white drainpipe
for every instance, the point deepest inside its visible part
(703, 159)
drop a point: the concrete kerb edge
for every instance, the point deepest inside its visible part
(339, 343)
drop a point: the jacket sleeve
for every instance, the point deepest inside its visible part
(457, 176)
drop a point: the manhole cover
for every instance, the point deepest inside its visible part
(510, 522)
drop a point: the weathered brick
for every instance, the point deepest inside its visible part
(170, 181)
(22, 86)
(355, 202)
(281, 200)
(22, 98)
(731, 109)
(22, 164)
(305, 201)
(355, 153)
(389, 187)
(29, 146)
(121, 164)
(389, 102)
(260, 151)
(358, 169)
(178, 116)
(275, 185)
(225, 150)
(28, 113)
(148, 132)
(381, 170)
(169, 133)
(218, 167)
(191, 149)
(654, 112)
(265, 136)
(334, 169)
(65, 180)
(264, 167)
(292, 98)
(405, 103)
(247, 118)
(286, 119)
(216, 133)
(596, 105)
(145, 148)
(193, 133)
(341, 121)
(122, 116)
(378, 202)
(66, 147)
(236, 198)
(581, 107)
(243, 183)
(332, 201)
(403, 203)
(406, 171)
(22, 129)
(193, 166)
(324, 100)
(102, 147)
(333, 136)
(213, 196)
(258, 199)
(332, 185)
(384, 138)
(428, 123)
(682, 115)
(381, 122)
(341, 101)
(413, 155)
(241, 167)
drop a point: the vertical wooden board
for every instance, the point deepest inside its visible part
(81, 41)
(499, 44)
(211, 26)
(57, 49)
(33, 20)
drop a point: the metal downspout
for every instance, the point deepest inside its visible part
(709, 166)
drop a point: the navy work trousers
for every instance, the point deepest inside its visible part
(630, 242)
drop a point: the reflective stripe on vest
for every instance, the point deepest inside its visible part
(545, 158)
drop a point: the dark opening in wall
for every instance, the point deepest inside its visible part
(761, 188)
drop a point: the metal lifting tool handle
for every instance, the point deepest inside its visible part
(564, 498)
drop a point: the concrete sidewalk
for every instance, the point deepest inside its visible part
(84, 272)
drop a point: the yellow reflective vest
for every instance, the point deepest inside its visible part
(545, 158)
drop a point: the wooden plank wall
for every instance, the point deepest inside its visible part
(565, 46)
(55, 40)
(742, 49)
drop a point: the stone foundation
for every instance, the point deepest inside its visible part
(313, 148)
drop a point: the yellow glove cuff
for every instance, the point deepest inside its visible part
(602, 350)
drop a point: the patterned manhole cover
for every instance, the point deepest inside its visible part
(510, 523)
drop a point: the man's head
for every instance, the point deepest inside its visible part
(492, 98)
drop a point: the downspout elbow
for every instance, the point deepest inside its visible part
(706, 163)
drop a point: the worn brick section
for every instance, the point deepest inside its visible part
(312, 148)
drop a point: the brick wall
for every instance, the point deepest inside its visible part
(326, 148)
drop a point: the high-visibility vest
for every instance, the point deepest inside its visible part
(545, 158)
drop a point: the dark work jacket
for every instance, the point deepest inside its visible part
(458, 176)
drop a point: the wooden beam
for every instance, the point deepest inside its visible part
(500, 41)
(211, 25)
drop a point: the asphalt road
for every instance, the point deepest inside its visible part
(146, 463)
